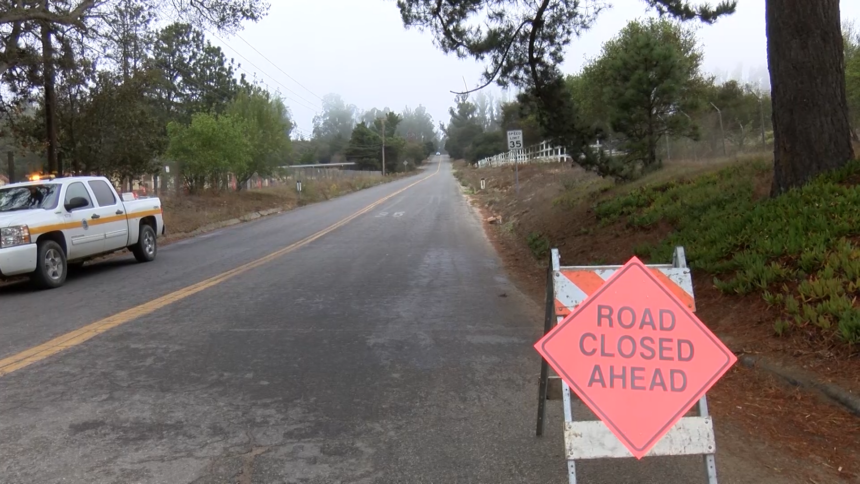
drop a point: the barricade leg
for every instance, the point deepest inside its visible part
(568, 417)
(710, 461)
(549, 322)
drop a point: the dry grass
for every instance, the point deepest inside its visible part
(581, 184)
(183, 215)
(685, 169)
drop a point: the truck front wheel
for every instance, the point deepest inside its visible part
(51, 266)
(146, 247)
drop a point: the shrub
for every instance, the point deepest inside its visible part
(538, 244)
(798, 250)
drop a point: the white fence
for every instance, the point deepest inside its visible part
(543, 152)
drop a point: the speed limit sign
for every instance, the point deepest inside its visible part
(515, 140)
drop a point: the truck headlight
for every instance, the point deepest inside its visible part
(14, 236)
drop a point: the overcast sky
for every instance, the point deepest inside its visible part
(360, 50)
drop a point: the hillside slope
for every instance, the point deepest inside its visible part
(773, 277)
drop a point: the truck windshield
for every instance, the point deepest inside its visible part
(30, 197)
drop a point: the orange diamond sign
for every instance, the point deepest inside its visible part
(636, 355)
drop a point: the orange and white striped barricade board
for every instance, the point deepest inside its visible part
(567, 288)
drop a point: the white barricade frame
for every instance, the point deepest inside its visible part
(591, 439)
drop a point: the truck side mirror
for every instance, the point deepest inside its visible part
(76, 203)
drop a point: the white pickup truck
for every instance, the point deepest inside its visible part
(49, 225)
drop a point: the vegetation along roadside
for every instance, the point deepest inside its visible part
(748, 264)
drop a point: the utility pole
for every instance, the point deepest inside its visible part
(668, 153)
(383, 146)
(689, 141)
(722, 131)
(761, 108)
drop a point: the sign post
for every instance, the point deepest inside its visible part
(634, 352)
(515, 145)
(299, 188)
(483, 183)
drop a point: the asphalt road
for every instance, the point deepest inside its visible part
(390, 350)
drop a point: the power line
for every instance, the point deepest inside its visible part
(264, 72)
(311, 108)
(175, 18)
(277, 67)
(268, 87)
(306, 104)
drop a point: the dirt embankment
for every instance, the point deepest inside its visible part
(793, 431)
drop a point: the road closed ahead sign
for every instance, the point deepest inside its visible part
(636, 355)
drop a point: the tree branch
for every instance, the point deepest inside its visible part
(501, 61)
(446, 29)
(537, 23)
(72, 17)
(684, 10)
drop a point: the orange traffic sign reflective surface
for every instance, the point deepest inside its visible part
(636, 355)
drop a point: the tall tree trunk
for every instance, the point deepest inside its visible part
(50, 96)
(807, 75)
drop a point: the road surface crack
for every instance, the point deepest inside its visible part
(249, 459)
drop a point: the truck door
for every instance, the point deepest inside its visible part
(112, 217)
(85, 238)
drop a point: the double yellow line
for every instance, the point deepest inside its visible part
(78, 336)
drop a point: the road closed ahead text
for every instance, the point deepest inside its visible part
(617, 350)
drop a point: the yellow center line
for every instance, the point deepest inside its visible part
(78, 336)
